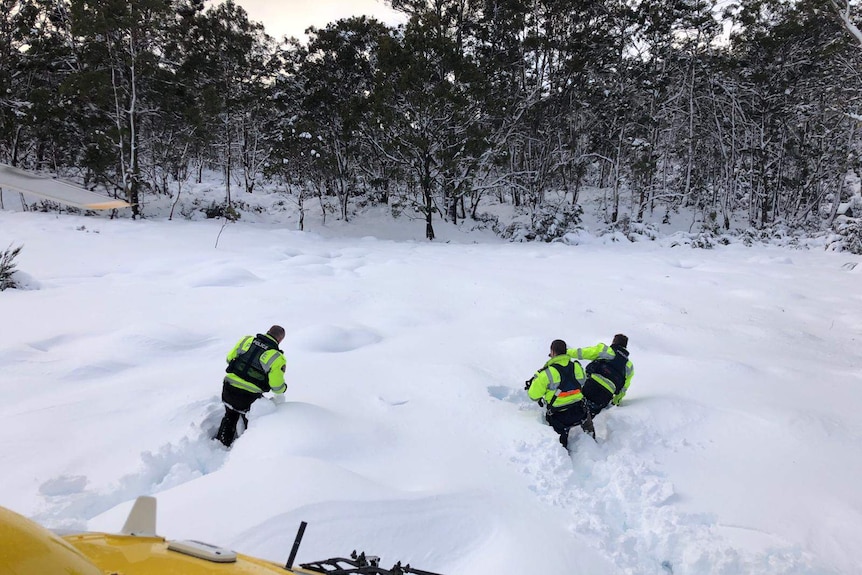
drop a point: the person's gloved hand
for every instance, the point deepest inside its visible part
(527, 384)
(541, 402)
(618, 398)
(278, 398)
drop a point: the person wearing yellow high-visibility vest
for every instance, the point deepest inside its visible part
(609, 373)
(557, 386)
(255, 366)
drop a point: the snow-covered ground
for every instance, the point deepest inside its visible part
(407, 433)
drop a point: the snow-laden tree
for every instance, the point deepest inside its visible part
(337, 76)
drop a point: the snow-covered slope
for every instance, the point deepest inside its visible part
(407, 433)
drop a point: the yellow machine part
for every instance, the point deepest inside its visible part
(133, 555)
(27, 548)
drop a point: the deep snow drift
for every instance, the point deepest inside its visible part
(407, 433)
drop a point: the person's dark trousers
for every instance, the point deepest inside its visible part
(237, 402)
(564, 419)
(596, 396)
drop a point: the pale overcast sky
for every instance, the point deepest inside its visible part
(292, 17)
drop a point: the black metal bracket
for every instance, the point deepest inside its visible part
(360, 564)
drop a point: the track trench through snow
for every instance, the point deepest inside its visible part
(622, 503)
(68, 502)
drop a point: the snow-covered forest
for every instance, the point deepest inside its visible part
(734, 113)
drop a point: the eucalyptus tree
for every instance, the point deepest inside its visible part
(337, 77)
(184, 138)
(34, 60)
(848, 13)
(16, 20)
(800, 72)
(175, 129)
(659, 75)
(118, 56)
(573, 53)
(296, 158)
(228, 66)
(432, 123)
(499, 52)
(826, 116)
(694, 31)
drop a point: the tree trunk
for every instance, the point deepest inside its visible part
(429, 203)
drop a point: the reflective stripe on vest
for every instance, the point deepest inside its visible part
(241, 383)
(610, 369)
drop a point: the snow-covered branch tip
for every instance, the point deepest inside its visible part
(844, 13)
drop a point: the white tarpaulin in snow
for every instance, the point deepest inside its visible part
(56, 190)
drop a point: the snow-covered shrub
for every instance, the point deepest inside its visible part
(221, 210)
(701, 240)
(7, 267)
(48, 206)
(548, 223)
(486, 221)
(396, 206)
(632, 231)
(517, 231)
(848, 235)
(751, 236)
(779, 234)
(704, 240)
(710, 223)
